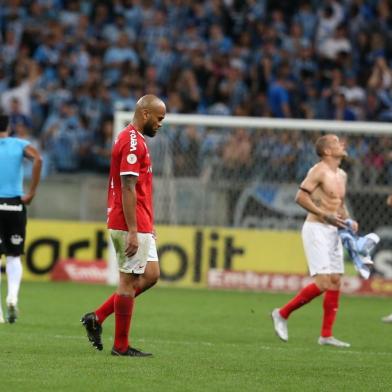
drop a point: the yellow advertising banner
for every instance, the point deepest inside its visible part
(186, 253)
(48, 241)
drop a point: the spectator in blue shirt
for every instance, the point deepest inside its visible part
(17, 117)
(116, 56)
(278, 95)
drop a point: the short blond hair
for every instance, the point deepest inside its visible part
(322, 143)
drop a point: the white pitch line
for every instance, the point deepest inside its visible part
(339, 351)
(271, 348)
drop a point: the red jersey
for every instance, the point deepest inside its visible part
(130, 156)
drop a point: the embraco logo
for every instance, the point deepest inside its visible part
(133, 140)
(16, 239)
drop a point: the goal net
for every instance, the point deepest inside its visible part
(244, 172)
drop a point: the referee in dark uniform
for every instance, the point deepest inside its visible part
(12, 208)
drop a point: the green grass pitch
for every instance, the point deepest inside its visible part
(202, 341)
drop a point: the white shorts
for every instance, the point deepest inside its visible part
(146, 252)
(323, 248)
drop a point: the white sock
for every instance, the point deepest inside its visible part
(14, 277)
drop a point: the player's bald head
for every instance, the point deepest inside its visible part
(323, 142)
(149, 102)
(149, 114)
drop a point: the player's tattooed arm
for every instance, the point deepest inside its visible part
(304, 196)
(128, 182)
(317, 202)
(128, 192)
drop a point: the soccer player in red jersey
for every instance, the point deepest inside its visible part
(130, 223)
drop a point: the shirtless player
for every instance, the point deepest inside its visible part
(322, 195)
(388, 319)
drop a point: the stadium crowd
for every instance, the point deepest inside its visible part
(66, 66)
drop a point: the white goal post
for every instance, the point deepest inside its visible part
(166, 197)
(122, 118)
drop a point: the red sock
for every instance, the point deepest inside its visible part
(123, 307)
(330, 305)
(106, 309)
(303, 297)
